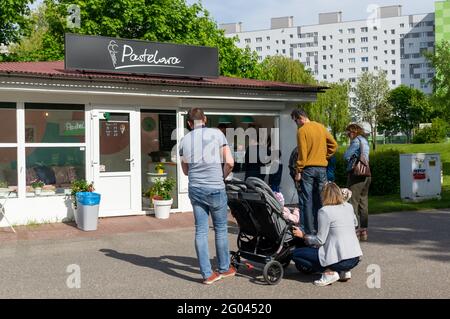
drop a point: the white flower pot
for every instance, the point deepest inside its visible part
(162, 208)
(38, 191)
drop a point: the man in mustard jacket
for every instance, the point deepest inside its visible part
(315, 147)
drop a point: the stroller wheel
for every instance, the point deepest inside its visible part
(235, 260)
(273, 272)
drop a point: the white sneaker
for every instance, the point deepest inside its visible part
(327, 279)
(345, 276)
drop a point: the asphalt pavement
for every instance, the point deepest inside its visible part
(407, 256)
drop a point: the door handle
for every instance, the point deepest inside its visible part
(129, 159)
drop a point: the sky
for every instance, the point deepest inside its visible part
(256, 14)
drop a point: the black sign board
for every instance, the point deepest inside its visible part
(114, 55)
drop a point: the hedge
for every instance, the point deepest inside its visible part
(385, 167)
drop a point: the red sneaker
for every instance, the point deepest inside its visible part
(231, 272)
(213, 278)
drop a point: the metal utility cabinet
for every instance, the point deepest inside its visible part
(420, 176)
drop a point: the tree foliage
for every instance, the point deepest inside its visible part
(154, 20)
(440, 59)
(408, 108)
(13, 20)
(284, 69)
(371, 100)
(436, 133)
(334, 107)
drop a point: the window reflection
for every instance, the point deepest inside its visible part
(8, 131)
(56, 167)
(8, 171)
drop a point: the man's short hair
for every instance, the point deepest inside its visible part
(297, 113)
(196, 114)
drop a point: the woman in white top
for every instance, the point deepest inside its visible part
(335, 249)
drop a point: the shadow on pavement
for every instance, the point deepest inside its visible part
(170, 265)
(427, 232)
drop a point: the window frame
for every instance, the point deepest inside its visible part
(14, 145)
(22, 145)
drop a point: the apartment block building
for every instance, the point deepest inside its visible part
(336, 51)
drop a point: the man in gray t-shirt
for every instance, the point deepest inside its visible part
(202, 151)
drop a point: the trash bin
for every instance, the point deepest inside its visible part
(87, 210)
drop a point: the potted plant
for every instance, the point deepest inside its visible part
(160, 194)
(159, 168)
(37, 186)
(79, 185)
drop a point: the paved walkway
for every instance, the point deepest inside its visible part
(112, 225)
(142, 257)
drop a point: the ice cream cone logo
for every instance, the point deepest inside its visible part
(112, 47)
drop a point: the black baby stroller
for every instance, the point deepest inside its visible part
(265, 237)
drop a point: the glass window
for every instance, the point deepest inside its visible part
(158, 150)
(54, 123)
(8, 131)
(8, 171)
(56, 167)
(115, 143)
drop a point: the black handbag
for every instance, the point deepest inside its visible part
(360, 165)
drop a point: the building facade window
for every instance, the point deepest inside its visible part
(54, 145)
(8, 150)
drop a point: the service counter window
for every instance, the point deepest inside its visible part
(54, 147)
(8, 150)
(249, 140)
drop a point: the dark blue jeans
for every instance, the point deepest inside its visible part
(307, 258)
(311, 185)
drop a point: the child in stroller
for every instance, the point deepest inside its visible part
(265, 236)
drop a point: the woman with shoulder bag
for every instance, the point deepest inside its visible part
(359, 177)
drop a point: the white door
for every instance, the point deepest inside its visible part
(115, 161)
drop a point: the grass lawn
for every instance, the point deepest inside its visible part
(393, 203)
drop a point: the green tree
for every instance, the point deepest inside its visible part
(13, 20)
(154, 20)
(440, 59)
(408, 108)
(30, 47)
(334, 105)
(284, 69)
(371, 100)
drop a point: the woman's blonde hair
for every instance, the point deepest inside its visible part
(355, 128)
(331, 195)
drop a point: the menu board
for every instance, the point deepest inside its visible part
(112, 129)
(167, 125)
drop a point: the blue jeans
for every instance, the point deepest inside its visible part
(205, 202)
(307, 258)
(311, 185)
